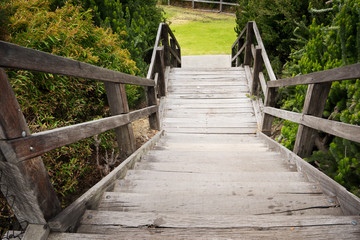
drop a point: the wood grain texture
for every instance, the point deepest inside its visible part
(325, 232)
(336, 74)
(26, 184)
(344, 130)
(314, 105)
(249, 41)
(218, 221)
(39, 143)
(14, 56)
(257, 69)
(349, 203)
(69, 217)
(38, 232)
(118, 103)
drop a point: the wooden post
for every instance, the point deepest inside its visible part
(179, 54)
(160, 69)
(118, 103)
(267, 120)
(239, 45)
(249, 41)
(257, 69)
(193, 4)
(165, 43)
(151, 99)
(233, 64)
(173, 59)
(221, 5)
(314, 105)
(26, 184)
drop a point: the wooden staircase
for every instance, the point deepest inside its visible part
(211, 177)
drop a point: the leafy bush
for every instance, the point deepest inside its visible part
(50, 101)
(276, 20)
(326, 47)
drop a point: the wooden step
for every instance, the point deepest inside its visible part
(193, 221)
(216, 177)
(254, 189)
(115, 232)
(217, 203)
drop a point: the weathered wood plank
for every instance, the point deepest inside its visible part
(211, 124)
(241, 165)
(160, 69)
(344, 130)
(150, 72)
(251, 189)
(118, 103)
(39, 143)
(270, 101)
(263, 53)
(336, 74)
(213, 204)
(216, 221)
(239, 130)
(315, 100)
(14, 56)
(38, 232)
(249, 41)
(165, 43)
(216, 177)
(324, 232)
(69, 217)
(26, 184)
(257, 69)
(349, 203)
(212, 110)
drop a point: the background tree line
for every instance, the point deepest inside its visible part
(308, 36)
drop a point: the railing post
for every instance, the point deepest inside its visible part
(26, 184)
(267, 120)
(257, 69)
(165, 43)
(118, 103)
(237, 61)
(221, 5)
(160, 69)
(154, 120)
(193, 4)
(173, 47)
(314, 105)
(249, 41)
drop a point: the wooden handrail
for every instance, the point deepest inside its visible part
(336, 74)
(18, 57)
(39, 143)
(319, 87)
(339, 129)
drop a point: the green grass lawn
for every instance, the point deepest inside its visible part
(201, 33)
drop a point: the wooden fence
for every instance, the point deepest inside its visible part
(220, 2)
(23, 172)
(249, 47)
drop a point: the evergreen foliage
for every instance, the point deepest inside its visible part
(136, 22)
(276, 20)
(49, 101)
(319, 37)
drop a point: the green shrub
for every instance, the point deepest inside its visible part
(49, 101)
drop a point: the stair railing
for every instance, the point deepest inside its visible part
(254, 60)
(23, 174)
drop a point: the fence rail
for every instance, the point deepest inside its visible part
(220, 2)
(23, 172)
(248, 49)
